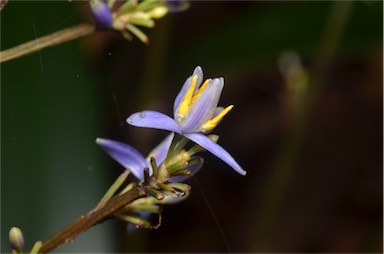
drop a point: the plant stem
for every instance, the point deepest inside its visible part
(47, 41)
(91, 218)
(112, 190)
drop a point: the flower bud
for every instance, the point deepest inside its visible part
(158, 12)
(213, 137)
(16, 238)
(170, 200)
(178, 162)
(101, 13)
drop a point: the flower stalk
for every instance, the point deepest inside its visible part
(161, 173)
(153, 189)
(112, 190)
(92, 218)
(50, 40)
(125, 19)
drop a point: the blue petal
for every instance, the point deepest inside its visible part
(126, 155)
(101, 13)
(216, 150)
(153, 119)
(199, 72)
(176, 5)
(161, 150)
(204, 108)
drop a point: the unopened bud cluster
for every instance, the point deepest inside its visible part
(127, 15)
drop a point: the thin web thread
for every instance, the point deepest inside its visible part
(116, 104)
(41, 59)
(213, 215)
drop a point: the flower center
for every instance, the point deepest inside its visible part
(190, 97)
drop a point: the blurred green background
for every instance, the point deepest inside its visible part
(314, 158)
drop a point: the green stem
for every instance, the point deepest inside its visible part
(47, 41)
(171, 149)
(112, 190)
(91, 218)
(180, 145)
(36, 247)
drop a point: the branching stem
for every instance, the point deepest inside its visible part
(92, 218)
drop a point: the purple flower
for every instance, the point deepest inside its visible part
(133, 160)
(101, 13)
(195, 112)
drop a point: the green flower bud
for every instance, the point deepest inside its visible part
(16, 238)
(158, 12)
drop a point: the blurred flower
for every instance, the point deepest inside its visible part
(176, 5)
(3, 3)
(132, 13)
(195, 113)
(133, 160)
(101, 13)
(296, 79)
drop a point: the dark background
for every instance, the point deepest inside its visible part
(313, 153)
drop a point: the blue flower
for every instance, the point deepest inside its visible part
(196, 112)
(176, 5)
(133, 160)
(101, 13)
(125, 16)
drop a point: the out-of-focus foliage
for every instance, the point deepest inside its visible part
(55, 103)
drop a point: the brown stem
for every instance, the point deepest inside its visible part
(47, 41)
(91, 218)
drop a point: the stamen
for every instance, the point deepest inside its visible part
(201, 90)
(210, 124)
(186, 102)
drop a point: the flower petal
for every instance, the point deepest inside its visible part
(126, 155)
(161, 150)
(204, 108)
(199, 72)
(101, 13)
(216, 150)
(177, 6)
(153, 119)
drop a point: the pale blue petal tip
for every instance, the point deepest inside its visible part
(216, 150)
(153, 119)
(125, 155)
(176, 5)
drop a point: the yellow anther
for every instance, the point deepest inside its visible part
(210, 124)
(187, 100)
(201, 90)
